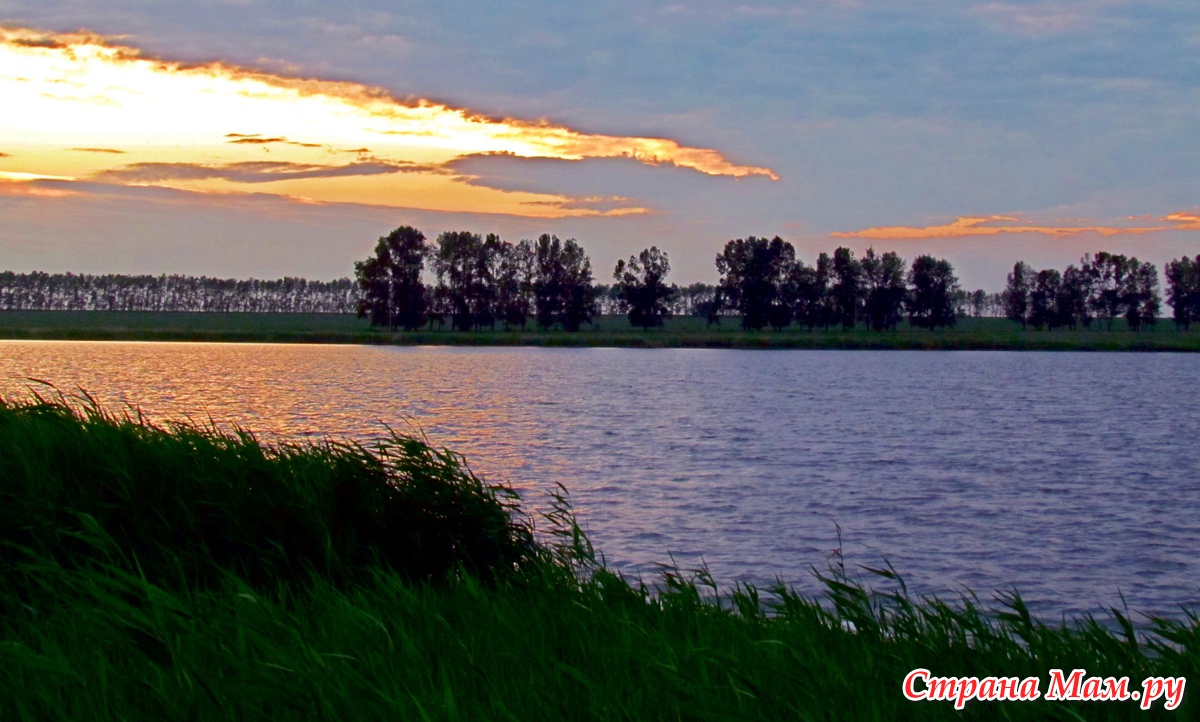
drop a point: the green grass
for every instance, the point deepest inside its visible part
(178, 326)
(188, 500)
(684, 332)
(123, 605)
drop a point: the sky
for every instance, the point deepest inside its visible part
(267, 138)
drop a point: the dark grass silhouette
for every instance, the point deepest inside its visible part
(179, 572)
(190, 502)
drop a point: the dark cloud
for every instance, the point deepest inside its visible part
(255, 139)
(251, 172)
(239, 138)
(38, 43)
(99, 150)
(5, 155)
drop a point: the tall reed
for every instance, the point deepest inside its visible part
(177, 572)
(186, 502)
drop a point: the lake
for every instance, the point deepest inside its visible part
(1074, 477)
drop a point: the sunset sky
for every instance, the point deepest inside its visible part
(263, 138)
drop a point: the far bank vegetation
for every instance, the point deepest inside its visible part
(469, 282)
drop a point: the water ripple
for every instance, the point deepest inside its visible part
(1073, 477)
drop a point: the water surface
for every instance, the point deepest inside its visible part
(1073, 477)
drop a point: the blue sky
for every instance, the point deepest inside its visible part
(1057, 115)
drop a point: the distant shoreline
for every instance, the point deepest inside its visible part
(974, 334)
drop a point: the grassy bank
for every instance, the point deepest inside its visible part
(969, 334)
(178, 573)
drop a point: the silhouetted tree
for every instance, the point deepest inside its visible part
(579, 303)
(712, 307)
(548, 284)
(961, 301)
(1139, 294)
(393, 294)
(563, 285)
(932, 287)
(787, 277)
(641, 283)
(846, 293)
(438, 308)
(691, 300)
(1043, 299)
(1107, 273)
(1183, 290)
(979, 298)
(1016, 293)
(515, 283)
(1072, 300)
(804, 295)
(454, 265)
(467, 268)
(824, 308)
(885, 290)
(752, 271)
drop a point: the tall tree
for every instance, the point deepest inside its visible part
(515, 282)
(807, 295)
(579, 302)
(786, 280)
(1043, 299)
(824, 308)
(1107, 272)
(641, 283)
(1139, 294)
(1183, 290)
(1072, 301)
(752, 272)
(885, 290)
(548, 283)
(932, 289)
(456, 266)
(846, 293)
(393, 294)
(1016, 293)
(563, 288)
(712, 307)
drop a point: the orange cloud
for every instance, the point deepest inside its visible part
(247, 172)
(9, 187)
(1187, 221)
(127, 112)
(14, 177)
(985, 226)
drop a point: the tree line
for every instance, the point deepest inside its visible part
(481, 281)
(690, 300)
(484, 281)
(39, 291)
(765, 282)
(1103, 287)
